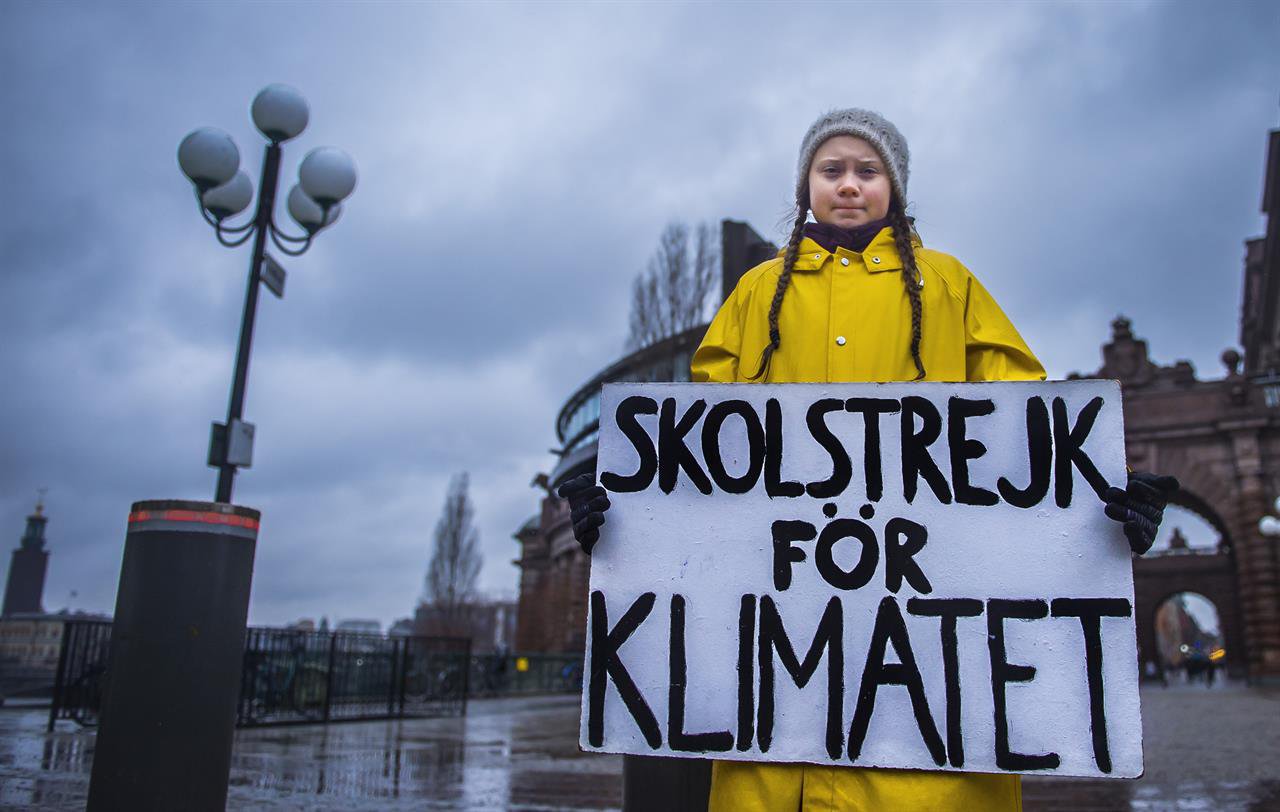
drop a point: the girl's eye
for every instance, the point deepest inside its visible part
(867, 170)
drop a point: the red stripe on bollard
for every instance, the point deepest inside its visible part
(200, 517)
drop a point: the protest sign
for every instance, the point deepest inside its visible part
(894, 575)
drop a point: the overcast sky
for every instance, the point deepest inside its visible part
(517, 163)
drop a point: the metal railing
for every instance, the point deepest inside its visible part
(300, 676)
(507, 674)
(82, 669)
(292, 676)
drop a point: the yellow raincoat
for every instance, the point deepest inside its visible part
(846, 317)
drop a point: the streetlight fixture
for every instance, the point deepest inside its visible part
(1270, 525)
(168, 712)
(210, 159)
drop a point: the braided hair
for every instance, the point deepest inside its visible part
(784, 279)
(911, 279)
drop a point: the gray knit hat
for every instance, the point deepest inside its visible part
(868, 125)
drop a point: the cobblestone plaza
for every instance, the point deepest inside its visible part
(1206, 749)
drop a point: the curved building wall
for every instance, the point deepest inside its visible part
(578, 424)
(554, 572)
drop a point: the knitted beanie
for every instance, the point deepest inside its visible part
(868, 125)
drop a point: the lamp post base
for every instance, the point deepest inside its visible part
(169, 707)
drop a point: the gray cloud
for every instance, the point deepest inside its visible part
(516, 165)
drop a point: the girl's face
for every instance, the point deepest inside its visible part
(848, 183)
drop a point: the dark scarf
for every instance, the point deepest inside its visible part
(851, 239)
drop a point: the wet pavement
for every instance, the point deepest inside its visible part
(518, 754)
(1205, 750)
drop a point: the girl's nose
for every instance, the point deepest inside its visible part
(848, 185)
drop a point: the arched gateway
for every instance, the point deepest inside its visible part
(1221, 439)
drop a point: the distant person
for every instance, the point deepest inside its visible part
(500, 672)
(1157, 670)
(910, 314)
(1195, 664)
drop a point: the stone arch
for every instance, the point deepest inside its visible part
(1203, 640)
(1159, 577)
(1202, 491)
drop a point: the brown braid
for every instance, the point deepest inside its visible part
(911, 277)
(784, 280)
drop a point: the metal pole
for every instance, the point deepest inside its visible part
(675, 784)
(328, 691)
(393, 669)
(405, 666)
(59, 683)
(262, 223)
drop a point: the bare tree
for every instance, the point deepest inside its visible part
(671, 294)
(455, 557)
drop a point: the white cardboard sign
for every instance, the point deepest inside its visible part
(894, 575)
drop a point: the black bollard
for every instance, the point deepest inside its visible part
(177, 646)
(669, 784)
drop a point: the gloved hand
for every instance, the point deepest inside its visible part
(587, 504)
(1140, 507)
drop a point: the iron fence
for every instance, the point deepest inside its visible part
(82, 668)
(506, 674)
(292, 676)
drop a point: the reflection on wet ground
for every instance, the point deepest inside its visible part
(519, 754)
(506, 754)
(1205, 750)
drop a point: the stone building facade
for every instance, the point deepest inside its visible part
(30, 641)
(1210, 434)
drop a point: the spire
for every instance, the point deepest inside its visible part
(33, 536)
(1121, 328)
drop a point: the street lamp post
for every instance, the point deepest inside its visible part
(168, 710)
(1269, 525)
(210, 159)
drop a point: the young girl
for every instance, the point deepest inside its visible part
(855, 296)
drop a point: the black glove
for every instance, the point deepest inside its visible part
(1140, 507)
(587, 504)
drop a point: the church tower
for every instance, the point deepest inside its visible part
(25, 588)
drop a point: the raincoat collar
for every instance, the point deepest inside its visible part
(881, 253)
(856, 238)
